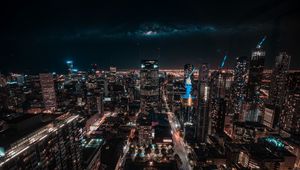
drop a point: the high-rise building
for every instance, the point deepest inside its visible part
(48, 91)
(203, 117)
(213, 99)
(187, 98)
(271, 116)
(33, 91)
(54, 146)
(219, 85)
(256, 67)
(279, 79)
(189, 72)
(188, 115)
(290, 117)
(149, 84)
(15, 98)
(239, 87)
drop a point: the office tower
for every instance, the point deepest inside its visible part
(93, 95)
(149, 84)
(239, 87)
(271, 116)
(187, 107)
(15, 97)
(54, 146)
(94, 103)
(290, 117)
(213, 100)
(279, 79)
(203, 118)
(256, 67)
(48, 90)
(187, 98)
(189, 72)
(219, 85)
(144, 128)
(33, 91)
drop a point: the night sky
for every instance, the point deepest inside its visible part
(42, 35)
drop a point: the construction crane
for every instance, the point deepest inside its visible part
(261, 42)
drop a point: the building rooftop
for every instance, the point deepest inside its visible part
(23, 126)
(34, 136)
(90, 148)
(111, 151)
(144, 119)
(163, 134)
(250, 125)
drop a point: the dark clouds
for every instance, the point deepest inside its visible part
(43, 34)
(154, 31)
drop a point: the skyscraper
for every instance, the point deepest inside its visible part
(187, 107)
(187, 98)
(279, 79)
(54, 146)
(290, 117)
(256, 67)
(219, 84)
(149, 84)
(48, 91)
(239, 87)
(203, 117)
(189, 72)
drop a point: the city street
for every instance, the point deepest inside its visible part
(179, 145)
(122, 158)
(98, 123)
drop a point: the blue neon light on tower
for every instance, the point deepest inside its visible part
(261, 42)
(188, 84)
(223, 62)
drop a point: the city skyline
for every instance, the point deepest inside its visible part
(160, 85)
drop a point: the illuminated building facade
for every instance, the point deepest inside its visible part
(290, 117)
(187, 106)
(189, 70)
(271, 116)
(239, 87)
(15, 97)
(219, 83)
(149, 84)
(54, 146)
(203, 93)
(256, 67)
(33, 92)
(48, 91)
(144, 128)
(278, 90)
(268, 153)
